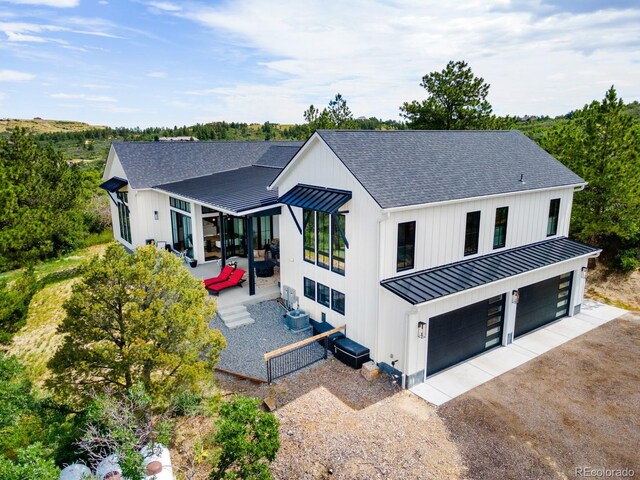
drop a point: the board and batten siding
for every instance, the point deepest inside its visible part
(440, 229)
(147, 227)
(319, 166)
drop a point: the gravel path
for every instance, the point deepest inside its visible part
(247, 345)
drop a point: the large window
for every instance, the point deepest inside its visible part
(472, 234)
(309, 288)
(337, 301)
(500, 229)
(337, 243)
(323, 237)
(123, 216)
(554, 212)
(406, 246)
(322, 231)
(324, 293)
(182, 233)
(309, 235)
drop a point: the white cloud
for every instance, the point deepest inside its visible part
(48, 3)
(24, 32)
(375, 53)
(165, 6)
(157, 74)
(83, 96)
(14, 76)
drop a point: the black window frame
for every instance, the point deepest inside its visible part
(403, 245)
(335, 303)
(180, 204)
(306, 283)
(472, 233)
(124, 219)
(500, 227)
(325, 290)
(323, 240)
(338, 246)
(309, 235)
(553, 218)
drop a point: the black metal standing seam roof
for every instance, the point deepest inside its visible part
(414, 167)
(236, 191)
(322, 199)
(113, 184)
(426, 285)
(148, 164)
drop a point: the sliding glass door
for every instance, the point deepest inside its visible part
(182, 233)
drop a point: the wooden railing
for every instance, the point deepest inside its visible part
(296, 356)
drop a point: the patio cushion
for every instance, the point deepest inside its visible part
(222, 276)
(351, 353)
(235, 279)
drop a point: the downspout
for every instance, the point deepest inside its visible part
(405, 360)
(382, 219)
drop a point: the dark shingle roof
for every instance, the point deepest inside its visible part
(456, 277)
(154, 163)
(278, 155)
(236, 190)
(412, 167)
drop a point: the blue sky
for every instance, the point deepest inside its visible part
(164, 63)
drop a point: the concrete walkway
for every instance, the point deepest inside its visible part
(457, 380)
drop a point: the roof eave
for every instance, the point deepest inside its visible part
(481, 197)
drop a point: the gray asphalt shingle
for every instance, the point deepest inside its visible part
(148, 164)
(412, 167)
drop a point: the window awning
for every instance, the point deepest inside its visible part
(113, 184)
(438, 282)
(321, 199)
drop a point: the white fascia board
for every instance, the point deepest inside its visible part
(447, 297)
(258, 209)
(483, 197)
(107, 166)
(193, 200)
(307, 145)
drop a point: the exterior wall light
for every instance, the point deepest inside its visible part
(584, 272)
(515, 297)
(422, 330)
(155, 214)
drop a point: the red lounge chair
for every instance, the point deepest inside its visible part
(222, 276)
(234, 280)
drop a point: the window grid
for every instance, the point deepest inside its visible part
(309, 288)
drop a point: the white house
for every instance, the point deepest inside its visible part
(430, 246)
(206, 199)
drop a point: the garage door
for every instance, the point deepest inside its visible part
(542, 303)
(463, 333)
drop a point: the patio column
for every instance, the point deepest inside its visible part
(223, 242)
(252, 273)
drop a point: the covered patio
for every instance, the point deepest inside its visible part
(229, 216)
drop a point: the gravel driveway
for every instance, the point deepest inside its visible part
(575, 406)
